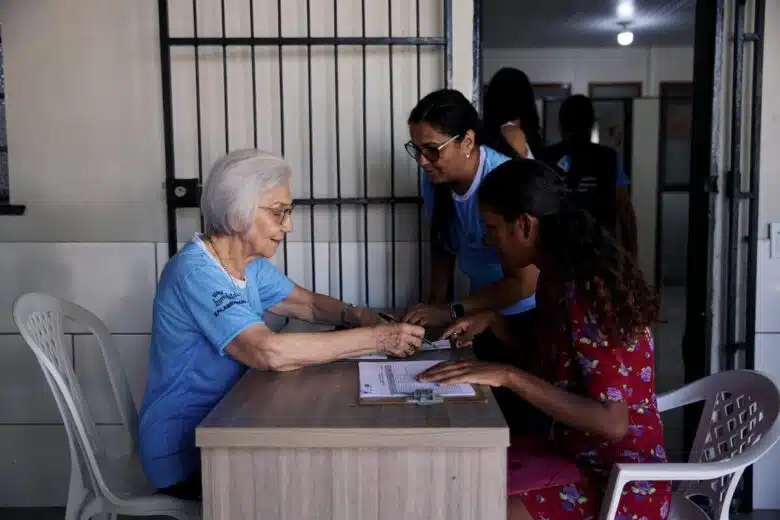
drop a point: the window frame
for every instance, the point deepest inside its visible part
(6, 208)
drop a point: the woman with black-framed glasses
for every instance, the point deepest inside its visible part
(444, 129)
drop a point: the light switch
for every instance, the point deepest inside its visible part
(774, 240)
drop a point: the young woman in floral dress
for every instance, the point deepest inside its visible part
(595, 374)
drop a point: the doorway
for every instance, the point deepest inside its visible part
(567, 48)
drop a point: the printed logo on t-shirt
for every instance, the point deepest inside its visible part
(565, 163)
(225, 300)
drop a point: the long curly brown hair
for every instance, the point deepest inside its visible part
(578, 258)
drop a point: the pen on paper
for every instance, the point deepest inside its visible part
(393, 319)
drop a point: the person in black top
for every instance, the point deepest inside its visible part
(592, 172)
(510, 118)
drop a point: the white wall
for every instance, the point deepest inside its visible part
(593, 65)
(767, 472)
(84, 120)
(86, 157)
(644, 172)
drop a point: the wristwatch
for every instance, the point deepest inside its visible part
(345, 307)
(457, 310)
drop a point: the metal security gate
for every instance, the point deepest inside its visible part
(742, 183)
(223, 59)
(723, 216)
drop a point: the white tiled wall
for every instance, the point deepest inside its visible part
(34, 464)
(765, 472)
(90, 274)
(115, 281)
(24, 394)
(767, 359)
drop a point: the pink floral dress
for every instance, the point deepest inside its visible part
(590, 364)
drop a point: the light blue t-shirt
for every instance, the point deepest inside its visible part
(198, 309)
(478, 261)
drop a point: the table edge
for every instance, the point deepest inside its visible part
(391, 437)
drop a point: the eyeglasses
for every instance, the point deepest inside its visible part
(281, 213)
(429, 151)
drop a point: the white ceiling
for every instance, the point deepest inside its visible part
(584, 23)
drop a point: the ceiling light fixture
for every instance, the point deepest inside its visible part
(625, 9)
(625, 37)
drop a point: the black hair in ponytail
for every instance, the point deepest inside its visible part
(577, 252)
(510, 96)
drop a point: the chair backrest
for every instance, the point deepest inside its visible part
(739, 423)
(40, 319)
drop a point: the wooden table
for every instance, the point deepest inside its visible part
(297, 446)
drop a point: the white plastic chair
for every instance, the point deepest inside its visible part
(739, 425)
(98, 484)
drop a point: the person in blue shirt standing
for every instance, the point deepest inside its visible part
(208, 316)
(445, 132)
(593, 172)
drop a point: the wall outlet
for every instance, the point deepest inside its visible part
(774, 240)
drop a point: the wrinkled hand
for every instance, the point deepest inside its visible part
(472, 372)
(398, 339)
(428, 315)
(465, 329)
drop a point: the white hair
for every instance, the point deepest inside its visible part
(229, 200)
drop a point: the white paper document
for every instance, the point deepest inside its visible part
(441, 344)
(397, 379)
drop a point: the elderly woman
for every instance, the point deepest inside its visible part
(208, 316)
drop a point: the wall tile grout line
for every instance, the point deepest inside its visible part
(49, 423)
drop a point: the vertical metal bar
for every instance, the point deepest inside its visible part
(254, 78)
(476, 43)
(705, 157)
(734, 193)
(167, 107)
(224, 76)
(628, 125)
(450, 84)
(198, 126)
(755, 165)
(663, 107)
(448, 44)
(419, 173)
(734, 181)
(365, 156)
(338, 146)
(311, 149)
(392, 155)
(281, 107)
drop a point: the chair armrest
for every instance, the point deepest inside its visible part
(622, 474)
(676, 471)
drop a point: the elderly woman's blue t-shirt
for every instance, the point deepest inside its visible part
(478, 261)
(198, 309)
